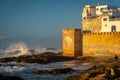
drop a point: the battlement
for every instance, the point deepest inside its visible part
(101, 33)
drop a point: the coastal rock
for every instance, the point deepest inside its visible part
(53, 71)
(42, 58)
(61, 71)
(103, 72)
(40, 71)
(10, 77)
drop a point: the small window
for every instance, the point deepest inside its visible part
(104, 19)
(113, 28)
(87, 11)
(97, 9)
(84, 18)
(101, 9)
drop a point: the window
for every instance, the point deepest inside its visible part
(101, 9)
(97, 9)
(104, 19)
(84, 18)
(87, 11)
(113, 28)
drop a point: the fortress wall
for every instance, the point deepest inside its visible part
(72, 42)
(68, 42)
(78, 42)
(105, 43)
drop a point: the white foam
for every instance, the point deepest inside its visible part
(15, 49)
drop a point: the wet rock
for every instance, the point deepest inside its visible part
(104, 72)
(10, 77)
(7, 59)
(40, 71)
(53, 71)
(112, 74)
(61, 71)
(42, 58)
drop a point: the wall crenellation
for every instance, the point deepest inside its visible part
(101, 33)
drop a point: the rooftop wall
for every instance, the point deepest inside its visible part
(104, 43)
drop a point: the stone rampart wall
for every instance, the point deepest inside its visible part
(104, 43)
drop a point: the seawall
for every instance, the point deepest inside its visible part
(104, 43)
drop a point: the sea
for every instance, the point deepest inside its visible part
(10, 47)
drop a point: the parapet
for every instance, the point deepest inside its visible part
(101, 33)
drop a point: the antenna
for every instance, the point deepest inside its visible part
(98, 3)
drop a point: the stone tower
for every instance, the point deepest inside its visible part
(72, 42)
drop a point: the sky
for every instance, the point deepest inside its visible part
(42, 18)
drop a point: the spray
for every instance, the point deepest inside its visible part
(17, 49)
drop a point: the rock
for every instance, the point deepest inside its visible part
(40, 71)
(1, 75)
(90, 73)
(10, 77)
(61, 71)
(105, 72)
(42, 58)
(112, 73)
(53, 71)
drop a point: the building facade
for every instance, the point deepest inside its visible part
(100, 33)
(101, 18)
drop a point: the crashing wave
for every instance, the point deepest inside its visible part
(16, 49)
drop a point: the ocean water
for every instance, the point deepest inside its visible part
(24, 70)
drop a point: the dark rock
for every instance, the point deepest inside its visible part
(42, 58)
(40, 71)
(1, 75)
(90, 73)
(10, 77)
(105, 72)
(112, 74)
(61, 71)
(54, 71)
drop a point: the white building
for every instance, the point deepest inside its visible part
(88, 12)
(109, 15)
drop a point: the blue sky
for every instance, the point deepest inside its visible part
(42, 18)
